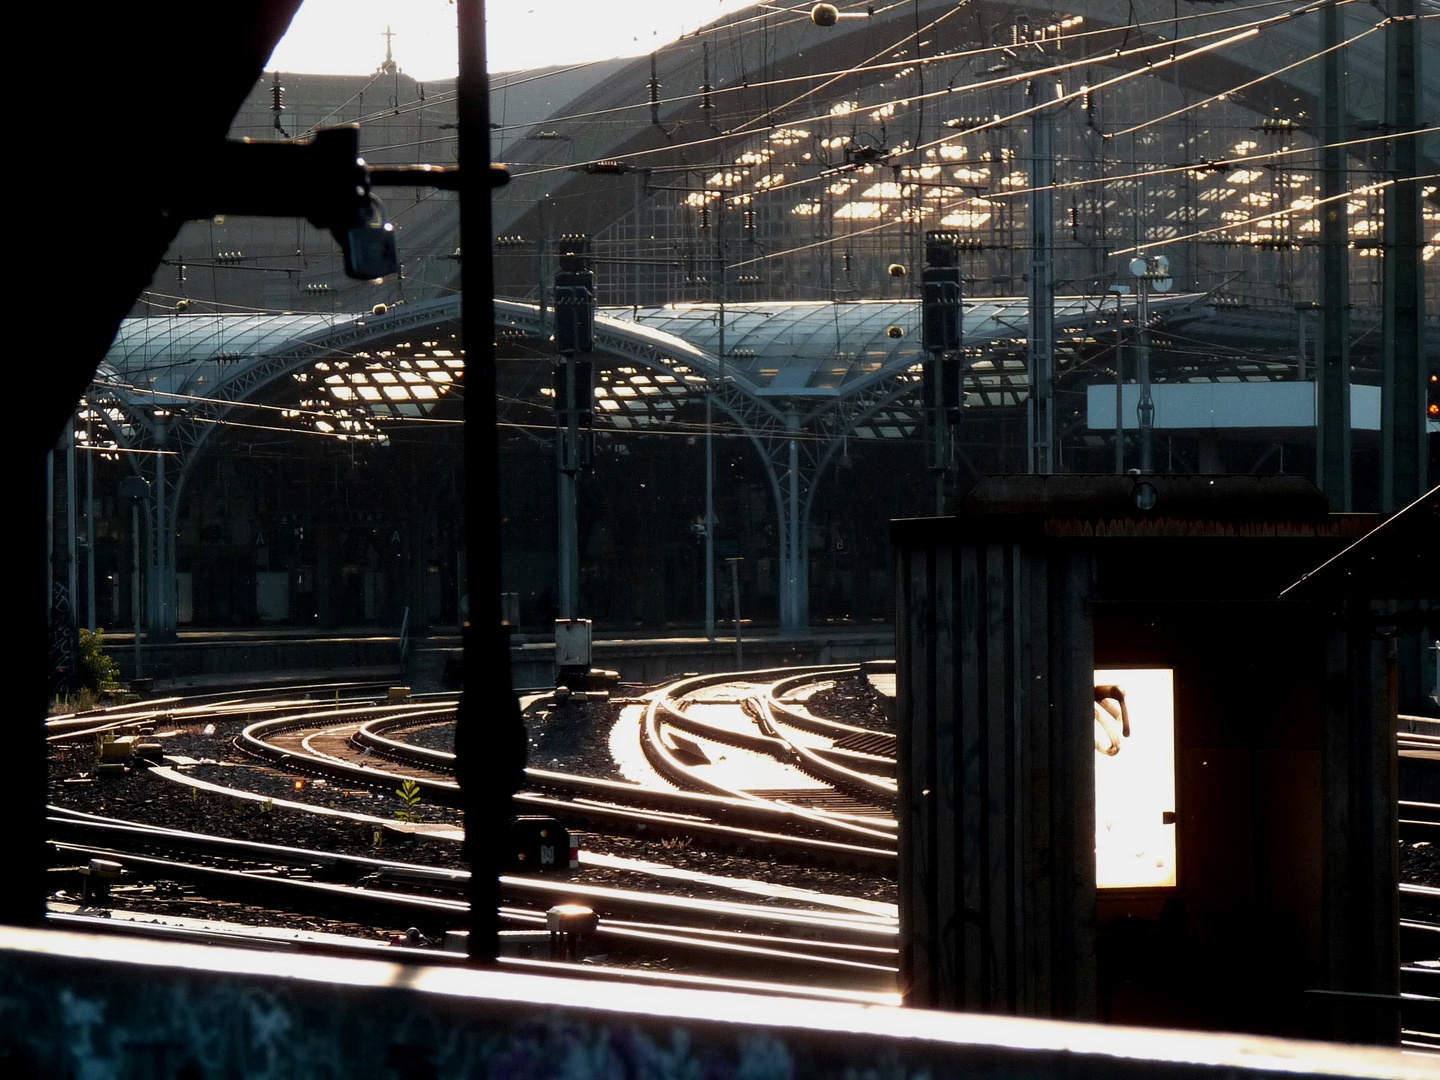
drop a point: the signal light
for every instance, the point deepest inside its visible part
(940, 293)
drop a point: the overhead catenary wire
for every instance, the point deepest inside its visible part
(870, 68)
(1234, 32)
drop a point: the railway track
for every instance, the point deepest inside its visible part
(733, 762)
(797, 934)
(715, 923)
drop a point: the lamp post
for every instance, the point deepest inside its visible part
(1151, 272)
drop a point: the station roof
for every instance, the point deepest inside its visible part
(177, 354)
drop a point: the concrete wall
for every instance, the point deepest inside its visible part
(74, 1005)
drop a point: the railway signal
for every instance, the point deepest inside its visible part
(941, 318)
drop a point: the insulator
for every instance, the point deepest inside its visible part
(845, 260)
(277, 95)
(704, 215)
(705, 87)
(749, 220)
(653, 86)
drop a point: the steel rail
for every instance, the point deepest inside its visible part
(818, 929)
(664, 761)
(435, 877)
(655, 823)
(879, 792)
(219, 933)
(257, 739)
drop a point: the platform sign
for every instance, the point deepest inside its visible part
(1134, 778)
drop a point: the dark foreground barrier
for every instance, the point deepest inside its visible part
(74, 1005)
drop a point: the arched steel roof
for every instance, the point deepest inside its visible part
(178, 354)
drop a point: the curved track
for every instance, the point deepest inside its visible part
(681, 912)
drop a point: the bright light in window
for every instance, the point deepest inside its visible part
(1134, 778)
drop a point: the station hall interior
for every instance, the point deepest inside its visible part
(1007, 342)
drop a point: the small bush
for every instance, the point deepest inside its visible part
(96, 670)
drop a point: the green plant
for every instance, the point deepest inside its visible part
(409, 793)
(96, 670)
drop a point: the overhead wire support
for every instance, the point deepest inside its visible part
(489, 733)
(1041, 345)
(1403, 450)
(1332, 406)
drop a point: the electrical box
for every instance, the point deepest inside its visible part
(572, 643)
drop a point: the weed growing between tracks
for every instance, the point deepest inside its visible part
(142, 797)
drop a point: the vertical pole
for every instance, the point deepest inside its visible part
(135, 578)
(710, 432)
(89, 533)
(49, 543)
(1332, 456)
(1119, 393)
(1040, 411)
(792, 577)
(72, 575)
(709, 517)
(735, 603)
(162, 569)
(1146, 407)
(1402, 393)
(566, 438)
(489, 734)
(1301, 347)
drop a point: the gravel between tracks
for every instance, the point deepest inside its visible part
(574, 738)
(850, 700)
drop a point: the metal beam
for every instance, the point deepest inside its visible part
(1402, 394)
(1041, 341)
(1332, 436)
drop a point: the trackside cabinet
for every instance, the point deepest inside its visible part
(1115, 754)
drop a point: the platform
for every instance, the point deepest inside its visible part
(91, 1005)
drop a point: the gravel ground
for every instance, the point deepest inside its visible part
(572, 738)
(851, 701)
(1420, 863)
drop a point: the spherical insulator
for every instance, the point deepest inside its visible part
(897, 270)
(379, 309)
(824, 15)
(894, 331)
